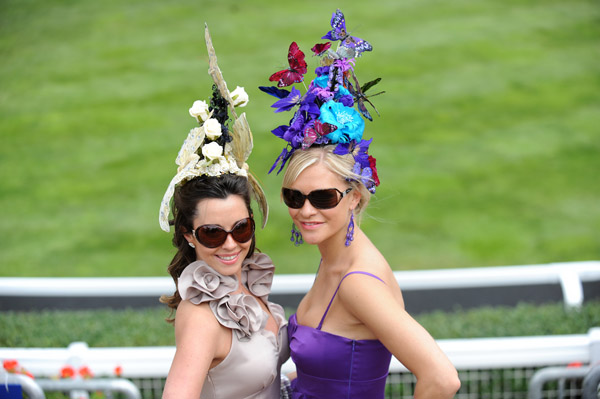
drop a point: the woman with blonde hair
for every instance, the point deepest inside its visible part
(352, 320)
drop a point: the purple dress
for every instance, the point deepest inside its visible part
(332, 366)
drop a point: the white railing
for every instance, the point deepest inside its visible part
(465, 354)
(589, 375)
(570, 276)
(36, 389)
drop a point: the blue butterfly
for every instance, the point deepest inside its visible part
(275, 92)
(350, 46)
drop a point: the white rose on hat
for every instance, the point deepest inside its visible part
(200, 110)
(212, 128)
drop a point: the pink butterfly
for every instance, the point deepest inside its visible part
(293, 74)
(320, 48)
(311, 134)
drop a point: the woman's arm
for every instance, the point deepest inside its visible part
(197, 338)
(374, 304)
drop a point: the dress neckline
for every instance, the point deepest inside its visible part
(320, 326)
(239, 311)
(294, 321)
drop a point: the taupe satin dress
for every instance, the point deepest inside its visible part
(252, 367)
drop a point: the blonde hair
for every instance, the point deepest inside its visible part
(341, 165)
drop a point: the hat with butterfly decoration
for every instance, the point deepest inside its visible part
(325, 113)
(220, 145)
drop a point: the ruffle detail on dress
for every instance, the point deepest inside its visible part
(240, 312)
(257, 275)
(201, 283)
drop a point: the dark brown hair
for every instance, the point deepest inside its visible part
(184, 208)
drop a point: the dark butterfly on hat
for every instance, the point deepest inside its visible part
(358, 92)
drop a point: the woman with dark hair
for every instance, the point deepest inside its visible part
(185, 209)
(352, 320)
(230, 340)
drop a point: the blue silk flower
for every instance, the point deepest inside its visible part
(350, 125)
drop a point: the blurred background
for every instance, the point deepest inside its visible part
(487, 144)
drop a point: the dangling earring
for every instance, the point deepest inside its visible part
(296, 237)
(191, 244)
(350, 231)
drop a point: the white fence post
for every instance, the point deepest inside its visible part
(572, 289)
(594, 334)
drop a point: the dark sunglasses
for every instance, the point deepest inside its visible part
(213, 235)
(320, 199)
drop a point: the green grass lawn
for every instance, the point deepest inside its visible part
(487, 145)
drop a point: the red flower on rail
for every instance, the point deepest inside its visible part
(67, 372)
(85, 372)
(12, 366)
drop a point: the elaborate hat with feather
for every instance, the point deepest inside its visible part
(220, 145)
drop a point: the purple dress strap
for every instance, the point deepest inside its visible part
(337, 289)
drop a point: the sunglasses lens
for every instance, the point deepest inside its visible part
(320, 199)
(293, 198)
(243, 230)
(212, 236)
(324, 199)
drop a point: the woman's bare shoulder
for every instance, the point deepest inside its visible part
(191, 315)
(370, 260)
(373, 262)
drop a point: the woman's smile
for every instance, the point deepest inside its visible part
(311, 225)
(228, 259)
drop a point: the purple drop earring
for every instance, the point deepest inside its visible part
(350, 231)
(296, 237)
